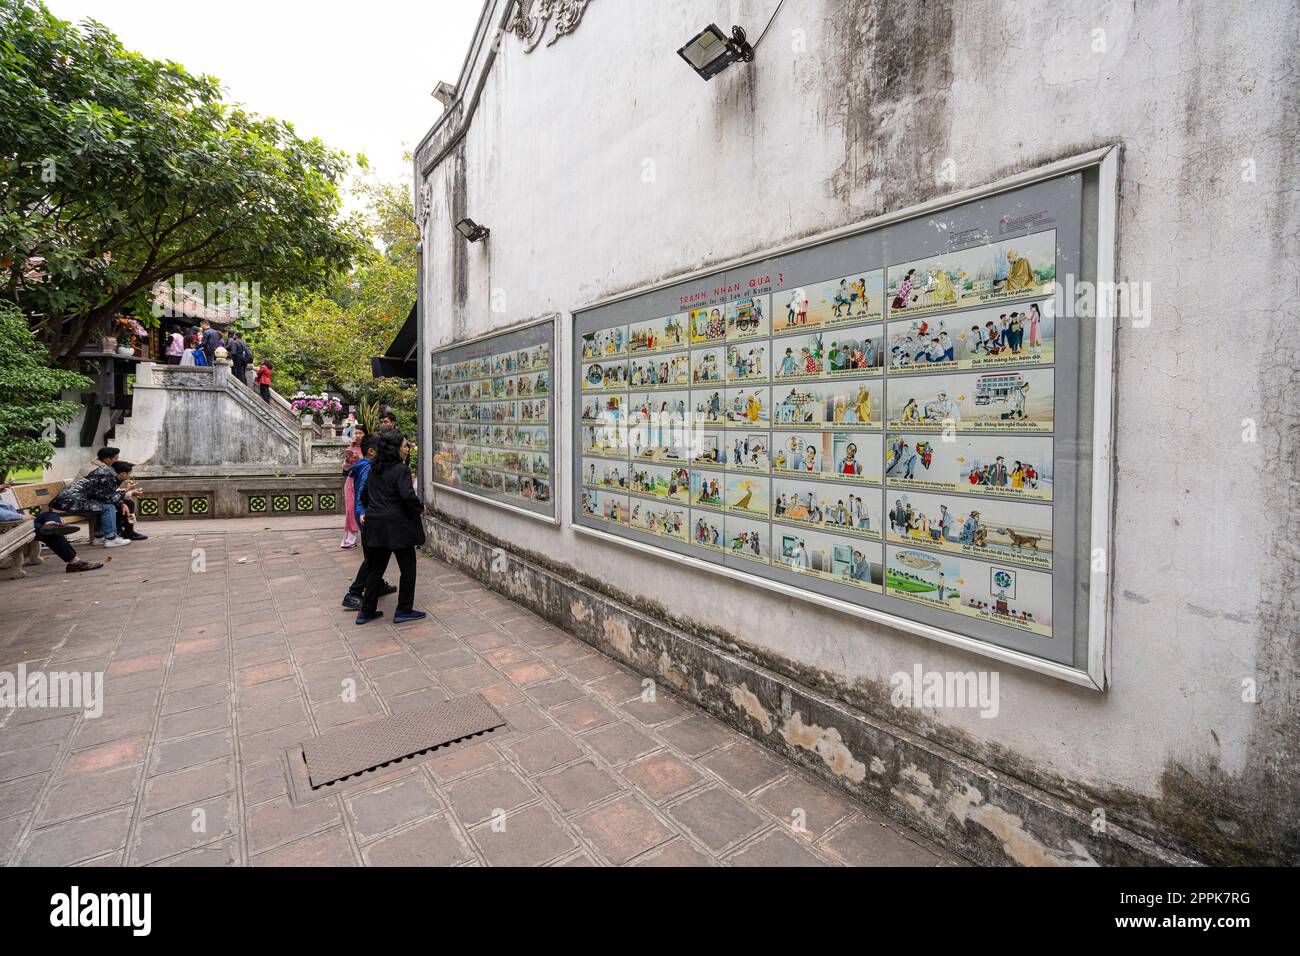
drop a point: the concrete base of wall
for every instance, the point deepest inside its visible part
(968, 807)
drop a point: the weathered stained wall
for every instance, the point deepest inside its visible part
(602, 163)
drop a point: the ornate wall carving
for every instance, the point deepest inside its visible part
(532, 17)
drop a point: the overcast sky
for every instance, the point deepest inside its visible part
(357, 74)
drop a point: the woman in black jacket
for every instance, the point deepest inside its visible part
(391, 526)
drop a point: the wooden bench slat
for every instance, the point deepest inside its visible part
(38, 494)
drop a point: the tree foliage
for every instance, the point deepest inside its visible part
(118, 171)
(29, 395)
(326, 337)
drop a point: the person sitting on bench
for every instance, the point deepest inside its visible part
(97, 495)
(51, 532)
(104, 458)
(130, 490)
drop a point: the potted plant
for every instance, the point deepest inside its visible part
(331, 407)
(301, 403)
(128, 331)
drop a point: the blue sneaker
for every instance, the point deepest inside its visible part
(401, 617)
(364, 618)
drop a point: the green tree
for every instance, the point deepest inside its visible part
(118, 171)
(326, 337)
(29, 395)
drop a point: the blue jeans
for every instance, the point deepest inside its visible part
(107, 521)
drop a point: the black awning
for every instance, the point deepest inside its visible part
(399, 360)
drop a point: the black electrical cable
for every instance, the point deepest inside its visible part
(769, 24)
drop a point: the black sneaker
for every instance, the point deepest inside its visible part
(352, 602)
(137, 536)
(387, 589)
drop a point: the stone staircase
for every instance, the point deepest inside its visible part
(202, 421)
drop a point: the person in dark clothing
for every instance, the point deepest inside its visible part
(51, 532)
(126, 514)
(359, 472)
(211, 339)
(240, 356)
(391, 528)
(97, 495)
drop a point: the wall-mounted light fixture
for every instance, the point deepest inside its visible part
(444, 93)
(471, 230)
(710, 51)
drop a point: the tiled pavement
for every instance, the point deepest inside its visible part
(222, 648)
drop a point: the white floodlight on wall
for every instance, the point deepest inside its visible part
(444, 93)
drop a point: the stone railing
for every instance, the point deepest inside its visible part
(195, 421)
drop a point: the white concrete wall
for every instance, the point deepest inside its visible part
(860, 124)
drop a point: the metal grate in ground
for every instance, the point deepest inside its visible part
(341, 753)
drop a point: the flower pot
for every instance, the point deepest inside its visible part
(108, 344)
(125, 350)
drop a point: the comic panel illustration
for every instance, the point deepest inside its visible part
(608, 439)
(659, 370)
(1000, 593)
(604, 408)
(748, 318)
(828, 505)
(708, 448)
(746, 538)
(708, 366)
(1006, 400)
(604, 343)
(605, 376)
(853, 298)
(1000, 466)
(987, 338)
(841, 456)
(827, 555)
(707, 490)
(670, 482)
(533, 384)
(748, 494)
(811, 404)
(604, 473)
(707, 325)
(605, 506)
(659, 335)
(997, 530)
(747, 407)
(661, 429)
(1002, 271)
(747, 451)
(534, 359)
(660, 518)
(708, 407)
(706, 530)
(828, 353)
(747, 361)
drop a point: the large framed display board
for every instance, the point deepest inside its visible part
(494, 416)
(908, 420)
